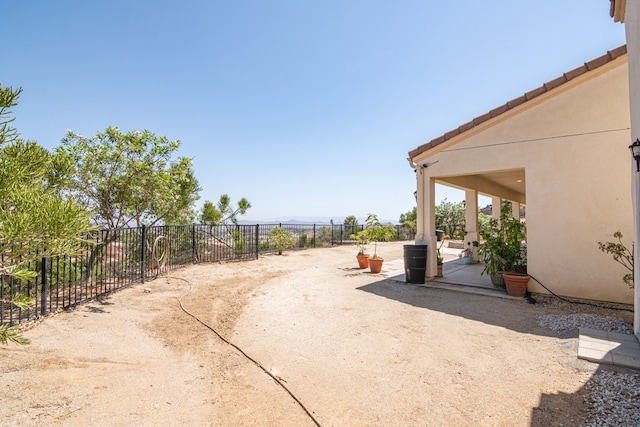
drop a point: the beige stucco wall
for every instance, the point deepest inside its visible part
(573, 145)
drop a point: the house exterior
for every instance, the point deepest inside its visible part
(562, 151)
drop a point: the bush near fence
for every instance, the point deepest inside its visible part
(118, 258)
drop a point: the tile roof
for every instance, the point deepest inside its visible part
(548, 86)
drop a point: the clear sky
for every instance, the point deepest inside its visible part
(306, 108)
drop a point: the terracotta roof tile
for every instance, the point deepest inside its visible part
(528, 96)
(481, 119)
(517, 101)
(465, 127)
(569, 75)
(552, 84)
(497, 111)
(535, 92)
(451, 133)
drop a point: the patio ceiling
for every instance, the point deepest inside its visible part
(507, 184)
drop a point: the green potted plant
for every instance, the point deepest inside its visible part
(501, 248)
(377, 232)
(362, 240)
(467, 253)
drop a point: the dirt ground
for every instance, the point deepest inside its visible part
(356, 349)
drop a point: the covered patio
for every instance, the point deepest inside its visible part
(557, 149)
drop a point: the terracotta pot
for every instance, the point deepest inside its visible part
(375, 265)
(363, 261)
(439, 271)
(516, 283)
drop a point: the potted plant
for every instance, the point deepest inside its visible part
(377, 232)
(362, 239)
(501, 248)
(467, 253)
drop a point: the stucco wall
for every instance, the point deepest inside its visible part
(573, 145)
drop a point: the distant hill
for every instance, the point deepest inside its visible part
(308, 220)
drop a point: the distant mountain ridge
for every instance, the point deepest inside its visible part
(308, 220)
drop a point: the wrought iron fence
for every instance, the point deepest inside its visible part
(118, 258)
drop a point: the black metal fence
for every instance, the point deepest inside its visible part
(115, 259)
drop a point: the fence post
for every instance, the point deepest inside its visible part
(142, 252)
(194, 254)
(257, 241)
(43, 286)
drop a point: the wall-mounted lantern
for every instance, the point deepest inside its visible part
(635, 152)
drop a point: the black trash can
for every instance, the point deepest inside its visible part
(415, 263)
(439, 234)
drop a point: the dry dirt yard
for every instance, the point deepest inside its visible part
(355, 348)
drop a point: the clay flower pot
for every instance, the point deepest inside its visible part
(363, 261)
(516, 283)
(375, 265)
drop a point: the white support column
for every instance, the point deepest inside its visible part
(471, 221)
(430, 226)
(496, 207)
(515, 210)
(420, 200)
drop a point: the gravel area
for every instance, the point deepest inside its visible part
(566, 322)
(612, 398)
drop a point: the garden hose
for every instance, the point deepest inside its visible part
(578, 302)
(276, 379)
(161, 260)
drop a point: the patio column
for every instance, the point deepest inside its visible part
(471, 221)
(515, 210)
(426, 218)
(496, 206)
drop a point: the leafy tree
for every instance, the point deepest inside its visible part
(350, 225)
(450, 218)
(224, 212)
(131, 178)
(34, 215)
(282, 239)
(351, 221)
(410, 219)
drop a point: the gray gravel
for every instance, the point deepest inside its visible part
(566, 322)
(612, 398)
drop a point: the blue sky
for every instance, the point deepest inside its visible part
(306, 108)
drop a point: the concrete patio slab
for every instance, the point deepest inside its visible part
(609, 348)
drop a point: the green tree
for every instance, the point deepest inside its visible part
(450, 218)
(410, 219)
(350, 226)
(131, 178)
(35, 217)
(224, 212)
(282, 239)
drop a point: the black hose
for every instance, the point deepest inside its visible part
(579, 302)
(242, 352)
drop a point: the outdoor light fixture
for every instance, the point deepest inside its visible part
(635, 152)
